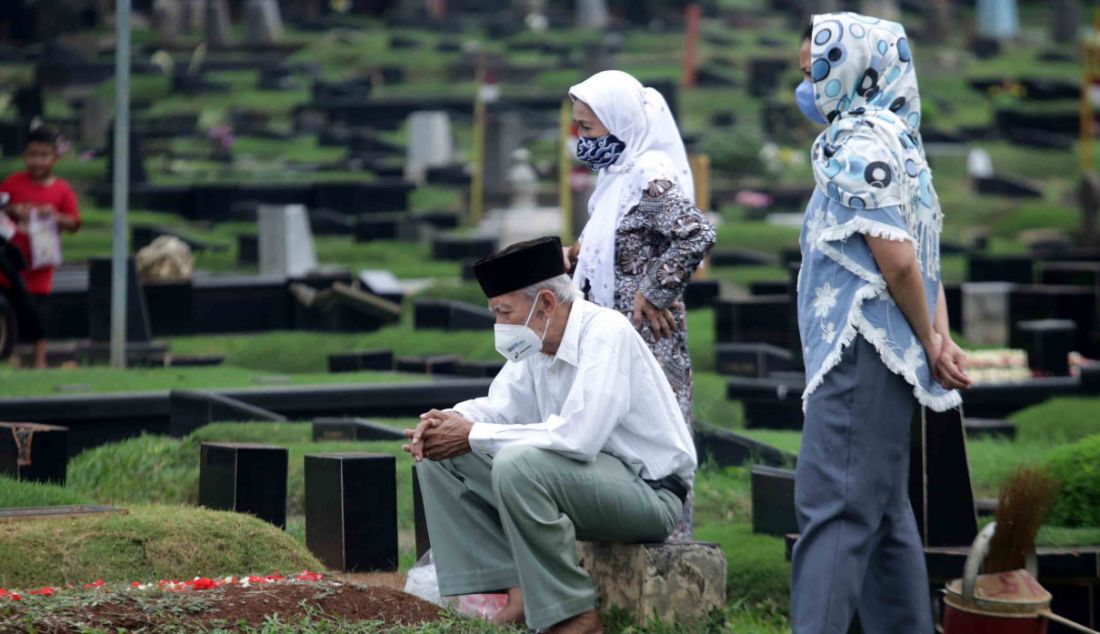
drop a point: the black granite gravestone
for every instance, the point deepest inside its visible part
(753, 320)
(773, 511)
(248, 250)
(725, 448)
(351, 510)
(352, 430)
(701, 293)
(479, 369)
(34, 452)
(442, 314)
(245, 478)
(1017, 269)
(358, 361)
(439, 364)
(1048, 343)
(378, 226)
(420, 521)
(169, 305)
(939, 479)
(191, 409)
(455, 247)
(99, 303)
(752, 359)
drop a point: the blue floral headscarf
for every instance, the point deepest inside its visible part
(871, 155)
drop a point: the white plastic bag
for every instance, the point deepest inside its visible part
(45, 240)
(421, 581)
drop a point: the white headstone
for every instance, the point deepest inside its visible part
(430, 143)
(985, 313)
(167, 20)
(523, 180)
(219, 26)
(592, 14)
(263, 22)
(998, 19)
(979, 164)
(286, 241)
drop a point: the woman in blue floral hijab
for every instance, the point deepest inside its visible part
(875, 335)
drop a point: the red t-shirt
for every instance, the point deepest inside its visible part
(23, 189)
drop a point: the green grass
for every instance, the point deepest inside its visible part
(757, 236)
(15, 493)
(1063, 419)
(16, 383)
(147, 543)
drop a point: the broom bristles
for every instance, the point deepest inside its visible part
(1024, 501)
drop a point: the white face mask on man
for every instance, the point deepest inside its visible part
(516, 342)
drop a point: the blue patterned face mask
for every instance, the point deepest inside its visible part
(599, 152)
(804, 97)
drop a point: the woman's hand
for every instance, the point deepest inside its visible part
(570, 255)
(949, 368)
(660, 321)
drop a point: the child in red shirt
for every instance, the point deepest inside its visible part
(36, 196)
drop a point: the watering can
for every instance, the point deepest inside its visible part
(1000, 603)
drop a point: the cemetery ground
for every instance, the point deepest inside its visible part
(164, 536)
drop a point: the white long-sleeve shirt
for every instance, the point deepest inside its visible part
(602, 392)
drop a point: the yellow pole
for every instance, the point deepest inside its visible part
(700, 176)
(477, 181)
(1090, 72)
(565, 167)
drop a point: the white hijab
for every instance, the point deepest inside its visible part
(641, 119)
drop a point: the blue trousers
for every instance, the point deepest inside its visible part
(858, 547)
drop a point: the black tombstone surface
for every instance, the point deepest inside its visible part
(34, 452)
(1048, 343)
(99, 303)
(764, 319)
(940, 489)
(190, 409)
(353, 429)
(351, 510)
(246, 478)
(420, 521)
(360, 360)
(773, 511)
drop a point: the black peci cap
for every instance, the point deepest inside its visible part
(519, 266)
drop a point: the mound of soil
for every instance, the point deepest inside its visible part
(226, 607)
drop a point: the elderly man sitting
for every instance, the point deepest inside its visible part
(580, 437)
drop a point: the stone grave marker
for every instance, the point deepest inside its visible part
(460, 247)
(940, 489)
(353, 430)
(985, 313)
(34, 452)
(420, 521)
(99, 303)
(753, 320)
(263, 23)
(245, 478)
(725, 448)
(1048, 343)
(439, 364)
(479, 369)
(192, 15)
(189, 410)
(593, 14)
(219, 26)
(285, 241)
(351, 510)
(503, 134)
(1018, 269)
(752, 359)
(773, 510)
(95, 121)
(430, 143)
(979, 164)
(167, 20)
(380, 360)
(997, 19)
(1088, 199)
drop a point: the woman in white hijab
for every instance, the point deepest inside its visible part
(644, 236)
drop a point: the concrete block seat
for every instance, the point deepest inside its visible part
(673, 582)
